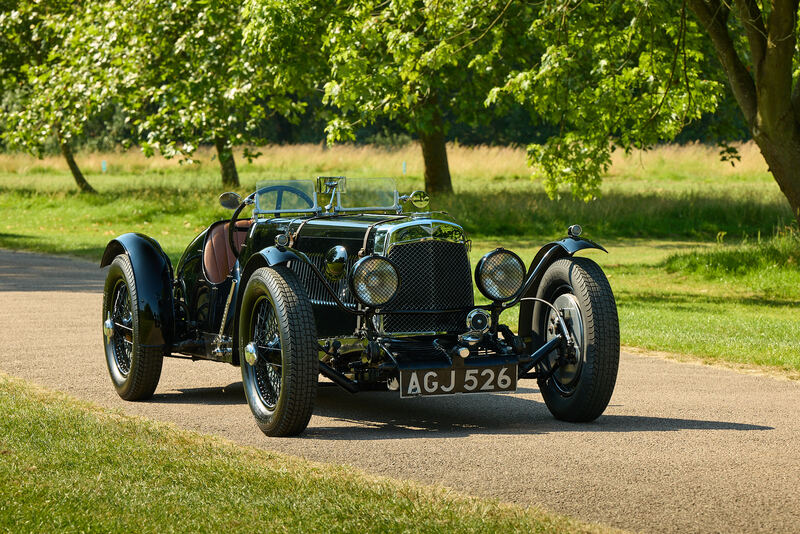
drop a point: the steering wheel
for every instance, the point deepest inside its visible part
(249, 200)
(288, 189)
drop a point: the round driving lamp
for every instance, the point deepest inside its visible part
(500, 275)
(336, 263)
(374, 281)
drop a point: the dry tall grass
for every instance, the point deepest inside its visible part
(695, 159)
(480, 167)
(482, 161)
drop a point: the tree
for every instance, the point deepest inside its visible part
(624, 73)
(285, 41)
(416, 62)
(44, 94)
(606, 75)
(757, 48)
(188, 79)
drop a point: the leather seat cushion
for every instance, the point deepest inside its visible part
(218, 259)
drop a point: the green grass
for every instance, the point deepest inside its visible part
(68, 466)
(749, 259)
(682, 229)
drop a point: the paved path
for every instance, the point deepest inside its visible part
(681, 448)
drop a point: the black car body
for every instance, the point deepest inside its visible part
(369, 296)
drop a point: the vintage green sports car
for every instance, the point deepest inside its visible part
(345, 278)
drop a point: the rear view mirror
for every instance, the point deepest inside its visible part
(230, 200)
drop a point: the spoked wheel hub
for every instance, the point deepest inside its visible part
(118, 327)
(569, 359)
(263, 354)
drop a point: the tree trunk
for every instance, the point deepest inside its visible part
(66, 151)
(284, 129)
(434, 153)
(230, 177)
(783, 158)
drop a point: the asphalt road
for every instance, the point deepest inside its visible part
(682, 447)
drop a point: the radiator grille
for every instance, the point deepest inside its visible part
(434, 275)
(315, 289)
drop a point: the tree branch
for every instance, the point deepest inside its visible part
(754, 28)
(713, 16)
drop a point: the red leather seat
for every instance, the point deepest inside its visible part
(218, 259)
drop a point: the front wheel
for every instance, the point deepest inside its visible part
(580, 383)
(278, 351)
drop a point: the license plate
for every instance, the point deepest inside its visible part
(416, 382)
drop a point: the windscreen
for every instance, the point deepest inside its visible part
(286, 196)
(367, 193)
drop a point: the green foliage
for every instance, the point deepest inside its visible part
(413, 61)
(606, 73)
(48, 87)
(185, 77)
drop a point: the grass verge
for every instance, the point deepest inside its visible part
(69, 466)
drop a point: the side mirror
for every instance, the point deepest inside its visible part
(230, 200)
(419, 199)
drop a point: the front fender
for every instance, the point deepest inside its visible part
(548, 254)
(267, 257)
(152, 272)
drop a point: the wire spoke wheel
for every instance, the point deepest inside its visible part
(278, 351)
(134, 367)
(122, 319)
(268, 368)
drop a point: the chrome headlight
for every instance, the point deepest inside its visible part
(500, 275)
(374, 281)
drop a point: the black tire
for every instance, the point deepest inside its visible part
(134, 369)
(579, 392)
(276, 317)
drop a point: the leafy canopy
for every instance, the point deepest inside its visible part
(186, 78)
(615, 73)
(410, 60)
(49, 89)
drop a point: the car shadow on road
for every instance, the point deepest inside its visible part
(383, 415)
(231, 394)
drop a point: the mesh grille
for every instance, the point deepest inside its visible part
(434, 275)
(315, 289)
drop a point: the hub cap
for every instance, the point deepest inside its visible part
(567, 374)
